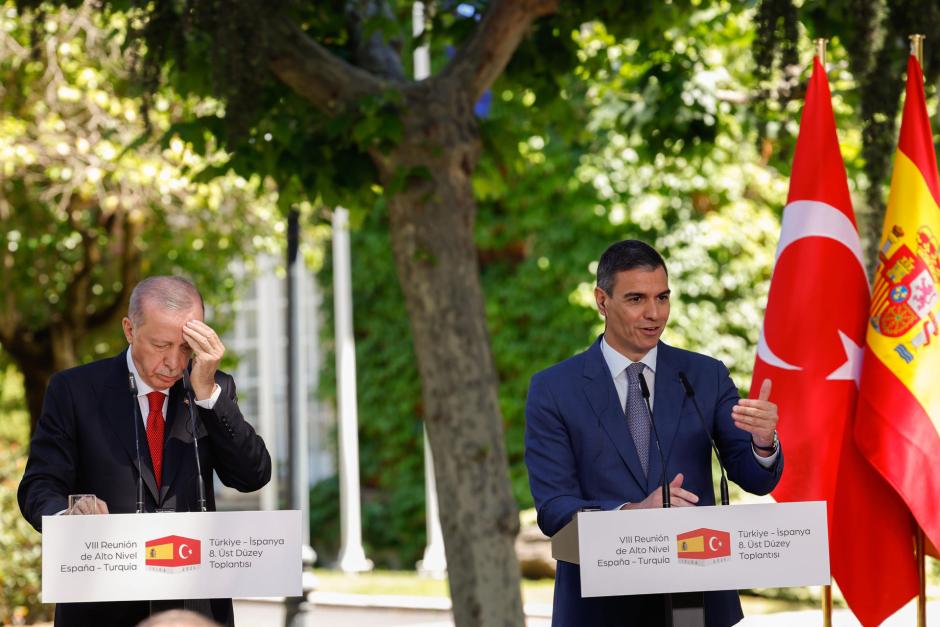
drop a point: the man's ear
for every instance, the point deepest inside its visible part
(600, 296)
(128, 330)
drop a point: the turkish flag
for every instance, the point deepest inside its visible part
(811, 347)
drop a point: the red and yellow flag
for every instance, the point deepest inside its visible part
(898, 413)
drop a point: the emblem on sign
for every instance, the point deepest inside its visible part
(703, 546)
(905, 296)
(173, 554)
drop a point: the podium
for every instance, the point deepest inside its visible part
(691, 550)
(200, 555)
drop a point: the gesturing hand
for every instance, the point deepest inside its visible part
(207, 353)
(758, 417)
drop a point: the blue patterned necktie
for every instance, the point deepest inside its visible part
(637, 419)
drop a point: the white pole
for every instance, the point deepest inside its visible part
(434, 562)
(301, 454)
(352, 557)
(269, 372)
(422, 54)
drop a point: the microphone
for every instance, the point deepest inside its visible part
(200, 484)
(645, 391)
(138, 418)
(691, 394)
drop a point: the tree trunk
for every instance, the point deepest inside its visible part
(432, 236)
(39, 355)
(35, 380)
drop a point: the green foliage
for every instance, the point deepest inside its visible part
(88, 203)
(21, 558)
(869, 49)
(644, 139)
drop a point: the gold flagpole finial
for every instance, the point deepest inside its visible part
(821, 50)
(917, 48)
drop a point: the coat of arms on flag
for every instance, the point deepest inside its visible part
(905, 293)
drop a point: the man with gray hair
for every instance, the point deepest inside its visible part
(89, 440)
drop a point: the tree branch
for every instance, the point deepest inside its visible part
(126, 256)
(485, 55)
(314, 73)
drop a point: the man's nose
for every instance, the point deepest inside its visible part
(176, 362)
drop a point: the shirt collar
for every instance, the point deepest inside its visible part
(142, 388)
(617, 362)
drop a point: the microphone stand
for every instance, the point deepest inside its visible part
(138, 418)
(690, 392)
(191, 397)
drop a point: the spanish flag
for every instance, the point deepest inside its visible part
(898, 413)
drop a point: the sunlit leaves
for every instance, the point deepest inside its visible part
(87, 196)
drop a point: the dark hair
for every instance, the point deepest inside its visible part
(626, 255)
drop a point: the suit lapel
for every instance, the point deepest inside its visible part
(602, 396)
(666, 414)
(117, 405)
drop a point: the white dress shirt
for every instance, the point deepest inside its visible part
(618, 365)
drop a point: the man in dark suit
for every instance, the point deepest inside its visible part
(589, 444)
(88, 436)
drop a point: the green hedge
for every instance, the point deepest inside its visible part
(21, 557)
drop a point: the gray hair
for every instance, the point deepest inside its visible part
(171, 293)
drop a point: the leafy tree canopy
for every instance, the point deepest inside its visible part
(89, 204)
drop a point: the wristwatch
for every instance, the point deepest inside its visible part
(768, 449)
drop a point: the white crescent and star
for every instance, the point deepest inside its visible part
(189, 551)
(811, 218)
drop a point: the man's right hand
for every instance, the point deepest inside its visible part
(677, 497)
(88, 506)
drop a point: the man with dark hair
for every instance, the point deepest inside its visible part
(589, 441)
(87, 442)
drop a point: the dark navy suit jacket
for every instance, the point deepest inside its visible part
(84, 444)
(580, 454)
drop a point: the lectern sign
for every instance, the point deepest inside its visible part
(687, 549)
(129, 557)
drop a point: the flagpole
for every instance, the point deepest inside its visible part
(820, 45)
(821, 50)
(921, 576)
(917, 49)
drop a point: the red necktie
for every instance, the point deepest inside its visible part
(155, 432)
